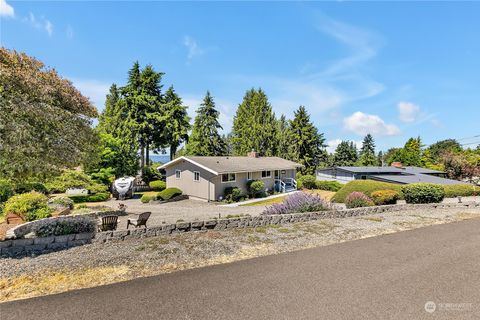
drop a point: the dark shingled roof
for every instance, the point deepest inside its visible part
(382, 170)
(220, 165)
(414, 178)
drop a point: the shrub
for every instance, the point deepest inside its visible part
(255, 187)
(150, 174)
(74, 179)
(366, 187)
(423, 193)
(298, 202)
(25, 187)
(382, 197)
(29, 206)
(462, 190)
(357, 200)
(328, 185)
(169, 193)
(61, 202)
(146, 198)
(98, 197)
(157, 185)
(6, 190)
(233, 194)
(307, 182)
(64, 225)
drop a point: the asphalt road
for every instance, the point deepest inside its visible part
(386, 277)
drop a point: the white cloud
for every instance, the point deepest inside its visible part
(362, 124)
(408, 112)
(40, 23)
(95, 90)
(192, 47)
(6, 10)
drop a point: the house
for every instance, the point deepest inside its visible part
(207, 177)
(393, 174)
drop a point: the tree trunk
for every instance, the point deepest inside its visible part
(147, 157)
(173, 150)
(142, 157)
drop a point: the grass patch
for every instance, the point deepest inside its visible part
(375, 219)
(266, 202)
(41, 284)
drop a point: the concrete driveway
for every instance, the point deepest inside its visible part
(427, 273)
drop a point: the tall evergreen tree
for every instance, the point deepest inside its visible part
(178, 123)
(205, 139)
(283, 138)
(367, 153)
(380, 159)
(345, 154)
(307, 145)
(254, 125)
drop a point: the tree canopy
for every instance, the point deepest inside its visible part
(345, 154)
(45, 122)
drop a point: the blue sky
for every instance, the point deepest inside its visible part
(395, 70)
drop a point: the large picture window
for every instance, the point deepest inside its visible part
(266, 174)
(228, 177)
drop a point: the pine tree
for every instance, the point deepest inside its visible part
(178, 123)
(307, 146)
(380, 159)
(205, 139)
(254, 125)
(283, 138)
(367, 153)
(345, 154)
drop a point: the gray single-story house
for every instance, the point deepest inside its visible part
(393, 174)
(207, 177)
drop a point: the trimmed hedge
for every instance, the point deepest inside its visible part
(157, 185)
(366, 187)
(98, 197)
(169, 193)
(357, 200)
(233, 194)
(383, 197)
(328, 185)
(462, 190)
(423, 193)
(307, 181)
(256, 188)
(29, 206)
(146, 198)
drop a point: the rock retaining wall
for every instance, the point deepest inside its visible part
(256, 221)
(43, 245)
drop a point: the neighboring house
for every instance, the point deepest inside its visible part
(207, 177)
(394, 174)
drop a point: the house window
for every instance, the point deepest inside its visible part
(228, 177)
(249, 175)
(266, 174)
(196, 176)
(178, 174)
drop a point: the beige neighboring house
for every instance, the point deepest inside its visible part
(207, 177)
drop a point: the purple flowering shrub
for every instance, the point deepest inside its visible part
(298, 202)
(357, 200)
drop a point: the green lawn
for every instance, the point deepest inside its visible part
(265, 202)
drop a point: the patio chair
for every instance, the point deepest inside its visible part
(109, 223)
(141, 220)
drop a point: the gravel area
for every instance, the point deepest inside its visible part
(151, 256)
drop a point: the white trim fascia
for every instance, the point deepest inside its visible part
(189, 160)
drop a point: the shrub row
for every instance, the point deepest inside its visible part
(166, 194)
(357, 200)
(98, 197)
(423, 193)
(298, 202)
(233, 194)
(157, 185)
(462, 190)
(328, 185)
(366, 187)
(29, 206)
(383, 197)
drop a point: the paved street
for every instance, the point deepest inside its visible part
(385, 277)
